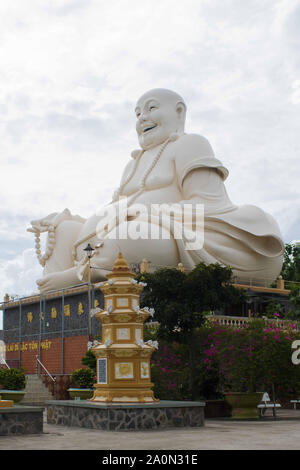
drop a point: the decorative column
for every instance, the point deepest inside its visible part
(123, 359)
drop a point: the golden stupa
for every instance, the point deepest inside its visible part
(123, 359)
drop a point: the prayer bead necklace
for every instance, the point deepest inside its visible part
(142, 185)
(50, 244)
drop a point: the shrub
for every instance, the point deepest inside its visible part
(89, 360)
(83, 378)
(12, 379)
(170, 372)
(254, 358)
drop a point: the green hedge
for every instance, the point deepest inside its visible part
(12, 379)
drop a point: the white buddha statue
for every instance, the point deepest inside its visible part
(171, 167)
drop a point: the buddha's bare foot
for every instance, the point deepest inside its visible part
(58, 280)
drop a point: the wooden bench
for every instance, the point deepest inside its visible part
(295, 403)
(266, 404)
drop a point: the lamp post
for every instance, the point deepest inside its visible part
(251, 298)
(249, 301)
(89, 251)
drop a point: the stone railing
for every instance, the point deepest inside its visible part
(234, 322)
(240, 322)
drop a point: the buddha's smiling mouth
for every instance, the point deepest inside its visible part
(149, 128)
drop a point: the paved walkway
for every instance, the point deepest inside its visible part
(283, 433)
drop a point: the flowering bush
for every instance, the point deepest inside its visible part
(253, 358)
(273, 310)
(170, 372)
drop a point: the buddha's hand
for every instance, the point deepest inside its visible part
(138, 211)
(54, 219)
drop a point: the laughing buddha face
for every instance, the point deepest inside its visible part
(159, 113)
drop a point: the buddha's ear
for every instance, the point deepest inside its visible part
(180, 108)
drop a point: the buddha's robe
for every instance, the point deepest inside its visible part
(243, 237)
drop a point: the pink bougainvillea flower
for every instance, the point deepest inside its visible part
(276, 337)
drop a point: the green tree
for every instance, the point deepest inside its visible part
(182, 300)
(291, 263)
(294, 296)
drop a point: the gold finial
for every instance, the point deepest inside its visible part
(6, 298)
(120, 264)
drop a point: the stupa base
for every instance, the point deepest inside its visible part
(124, 396)
(125, 416)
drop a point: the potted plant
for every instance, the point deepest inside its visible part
(12, 384)
(82, 381)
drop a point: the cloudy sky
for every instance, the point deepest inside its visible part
(72, 70)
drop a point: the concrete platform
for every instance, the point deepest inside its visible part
(21, 420)
(125, 417)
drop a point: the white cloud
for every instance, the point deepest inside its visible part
(71, 71)
(17, 275)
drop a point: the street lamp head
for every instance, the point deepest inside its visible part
(248, 296)
(89, 250)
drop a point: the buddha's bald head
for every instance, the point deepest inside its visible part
(160, 113)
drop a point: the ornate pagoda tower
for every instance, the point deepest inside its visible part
(123, 359)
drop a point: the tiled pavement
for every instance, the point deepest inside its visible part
(282, 433)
